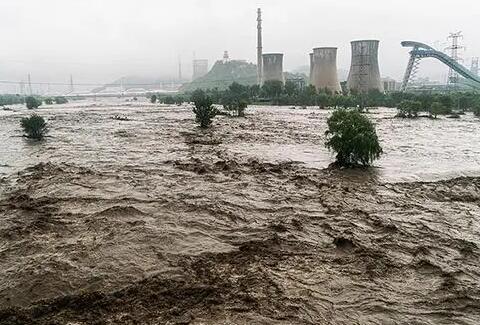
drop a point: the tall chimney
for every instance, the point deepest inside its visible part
(259, 47)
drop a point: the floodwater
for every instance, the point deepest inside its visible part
(85, 133)
(151, 220)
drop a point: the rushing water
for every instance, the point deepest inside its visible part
(85, 133)
(177, 225)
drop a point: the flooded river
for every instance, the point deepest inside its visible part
(84, 133)
(151, 220)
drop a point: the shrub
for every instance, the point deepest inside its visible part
(169, 100)
(61, 100)
(34, 126)
(48, 101)
(409, 108)
(153, 99)
(476, 108)
(204, 110)
(32, 102)
(353, 137)
(237, 107)
(435, 109)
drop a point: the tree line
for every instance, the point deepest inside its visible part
(291, 94)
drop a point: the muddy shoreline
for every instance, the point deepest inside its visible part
(151, 221)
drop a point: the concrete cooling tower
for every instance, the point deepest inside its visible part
(325, 69)
(272, 67)
(364, 73)
(311, 68)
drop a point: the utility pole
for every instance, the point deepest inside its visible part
(22, 88)
(259, 47)
(71, 84)
(179, 69)
(30, 91)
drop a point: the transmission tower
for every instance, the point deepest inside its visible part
(474, 66)
(453, 48)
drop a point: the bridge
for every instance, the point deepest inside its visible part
(421, 51)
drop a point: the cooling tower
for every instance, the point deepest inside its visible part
(325, 69)
(272, 67)
(364, 73)
(311, 68)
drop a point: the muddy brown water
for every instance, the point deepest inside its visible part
(153, 221)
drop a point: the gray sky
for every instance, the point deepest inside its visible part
(101, 40)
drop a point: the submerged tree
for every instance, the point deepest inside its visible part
(435, 109)
(32, 102)
(34, 126)
(353, 137)
(204, 109)
(61, 100)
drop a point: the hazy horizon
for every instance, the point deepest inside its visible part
(100, 41)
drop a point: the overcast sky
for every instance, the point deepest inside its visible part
(101, 40)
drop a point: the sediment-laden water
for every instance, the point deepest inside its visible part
(153, 221)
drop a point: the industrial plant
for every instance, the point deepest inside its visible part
(323, 69)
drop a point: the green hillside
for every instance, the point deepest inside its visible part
(224, 74)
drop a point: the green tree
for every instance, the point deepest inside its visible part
(291, 88)
(435, 109)
(32, 102)
(169, 100)
(203, 110)
(476, 108)
(61, 100)
(353, 137)
(153, 99)
(272, 88)
(48, 101)
(409, 108)
(34, 126)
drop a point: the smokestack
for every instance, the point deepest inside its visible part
(272, 67)
(325, 69)
(364, 73)
(259, 47)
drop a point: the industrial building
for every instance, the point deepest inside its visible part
(272, 67)
(200, 68)
(323, 69)
(364, 72)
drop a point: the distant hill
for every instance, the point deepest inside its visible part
(224, 74)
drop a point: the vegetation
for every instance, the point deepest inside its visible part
(34, 126)
(153, 99)
(223, 74)
(11, 100)
(476, 108)
(353, 137)
(61, 100)
(410, 105)
(171, 100)
(48, 101)
(235, 100)
(204, 109)
(435, 109)
(32, 102)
